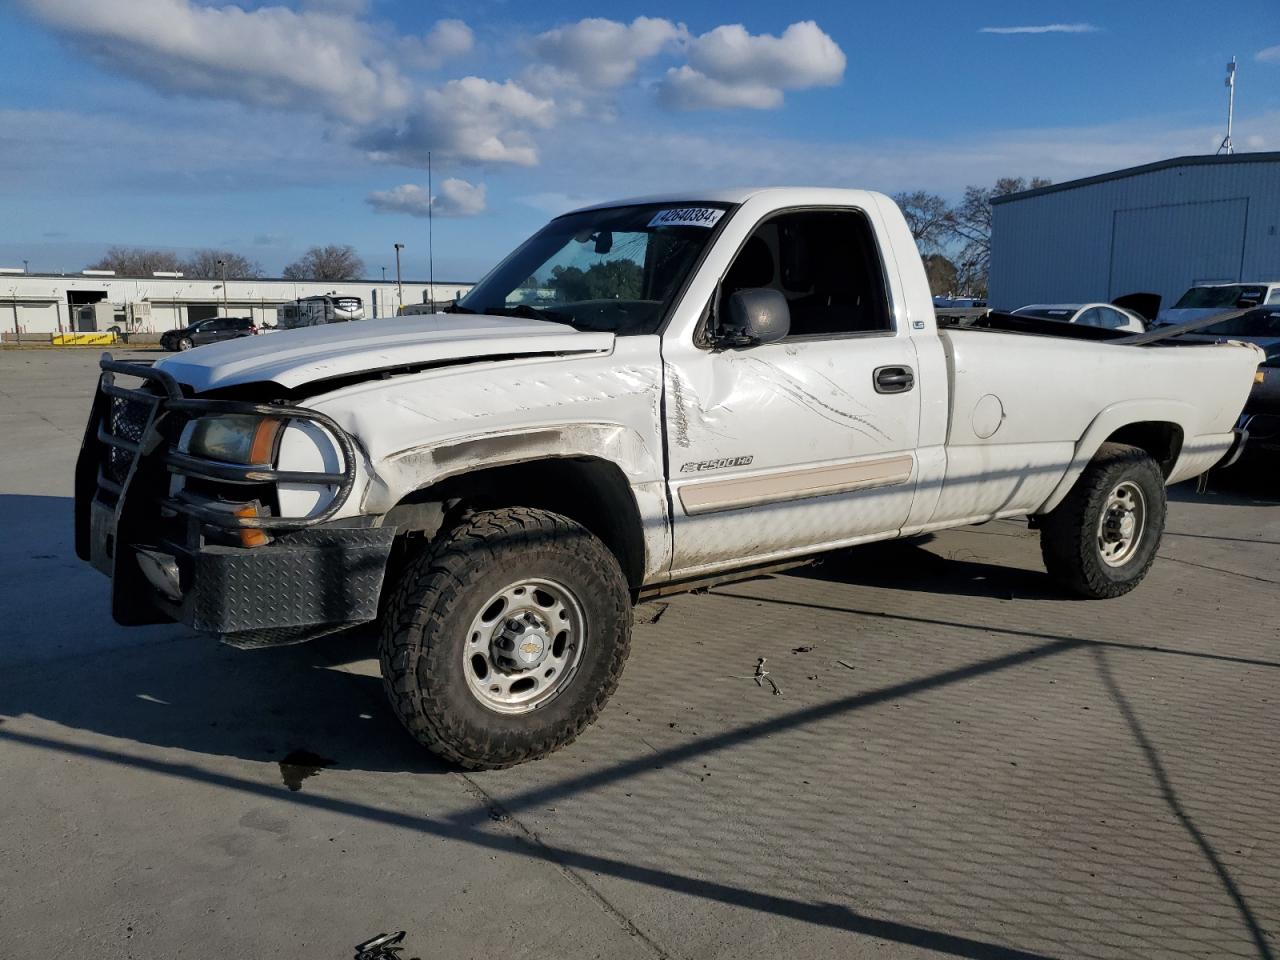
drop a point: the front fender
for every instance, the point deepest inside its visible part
(398, 475)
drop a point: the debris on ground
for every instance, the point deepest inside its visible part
(849, 665)
(801, 649)
(650, 612)
(298, 765)
(760, 676)
(382, 947)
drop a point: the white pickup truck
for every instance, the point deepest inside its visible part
(645, 396)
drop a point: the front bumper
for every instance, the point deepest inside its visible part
(176, 555)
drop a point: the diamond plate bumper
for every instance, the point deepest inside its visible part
(296, 588)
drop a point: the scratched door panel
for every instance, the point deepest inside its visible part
(777, 448)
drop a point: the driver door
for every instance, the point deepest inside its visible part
(791, 447)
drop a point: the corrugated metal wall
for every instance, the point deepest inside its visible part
(1157, 231)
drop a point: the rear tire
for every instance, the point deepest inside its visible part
(1102, 539)
(450, 669)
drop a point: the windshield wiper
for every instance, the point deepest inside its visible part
(528, 312)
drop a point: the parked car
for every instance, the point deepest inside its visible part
(720, 384)
(1104, 315)
(1206, 299)
(1261, 419)
(212, 330)
(1260, 326)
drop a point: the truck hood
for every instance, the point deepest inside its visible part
(293, 358)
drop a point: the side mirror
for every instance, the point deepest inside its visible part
(755, 316)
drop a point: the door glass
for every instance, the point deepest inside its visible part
(1092, 318)
(825, 263)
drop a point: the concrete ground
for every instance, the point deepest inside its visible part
(961, 762)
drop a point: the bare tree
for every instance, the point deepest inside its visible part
(136, 261)
(203, 265)
(332, 262)
(971, 225)
(942, 274)
(928, 216)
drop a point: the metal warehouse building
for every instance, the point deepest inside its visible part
(1158, 228)
(32, 303)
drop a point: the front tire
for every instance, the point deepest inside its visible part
(186, 343)
(1102, 539)
(505, 638)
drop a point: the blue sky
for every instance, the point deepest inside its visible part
(267, 128)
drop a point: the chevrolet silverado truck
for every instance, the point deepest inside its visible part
(646, 396)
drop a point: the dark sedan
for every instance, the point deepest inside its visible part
(208, 331)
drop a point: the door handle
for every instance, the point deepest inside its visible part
(894, 379)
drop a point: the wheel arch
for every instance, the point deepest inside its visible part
(592, 491)
(1157, 426)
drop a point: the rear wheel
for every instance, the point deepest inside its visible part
(506, 637)
(1102, 539)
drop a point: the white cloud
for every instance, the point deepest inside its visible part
(1269, 55)
(1044, 28)
(470, 120)
(321, 57)
(684, 88)
(447, 40)
(457, 198)
(270, 56)
(647, 161)
(599, 53)
(731, 68)
(349, 7)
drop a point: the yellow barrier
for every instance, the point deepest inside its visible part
(83, 339)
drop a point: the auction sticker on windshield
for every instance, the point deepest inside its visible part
(687, 217)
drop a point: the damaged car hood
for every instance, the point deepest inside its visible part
(292, 358)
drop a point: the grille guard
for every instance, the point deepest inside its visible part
(174, 400)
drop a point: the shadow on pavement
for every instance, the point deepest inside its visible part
(179, 690)
(907, 566)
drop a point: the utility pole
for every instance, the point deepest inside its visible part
(1227, 146)
(226, 312)
(399, 285)
(431, 258)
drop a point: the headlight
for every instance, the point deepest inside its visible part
(234, 438)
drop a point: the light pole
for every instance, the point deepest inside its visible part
(226, 312)
(399, 285)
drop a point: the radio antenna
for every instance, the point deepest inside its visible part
(431, 259)
(1227, 146)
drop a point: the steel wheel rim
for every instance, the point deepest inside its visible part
(1122, 524)
(524, 646)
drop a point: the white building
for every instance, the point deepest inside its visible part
(33, 303)
(1158, 228)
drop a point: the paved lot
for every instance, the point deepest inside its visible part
(962, 762)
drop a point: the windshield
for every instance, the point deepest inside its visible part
(1256, 323)
(1224, 296)
(616, 270)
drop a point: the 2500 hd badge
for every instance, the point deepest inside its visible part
(698, 466)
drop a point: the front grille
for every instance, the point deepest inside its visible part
(125, 419)
(147, 421)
